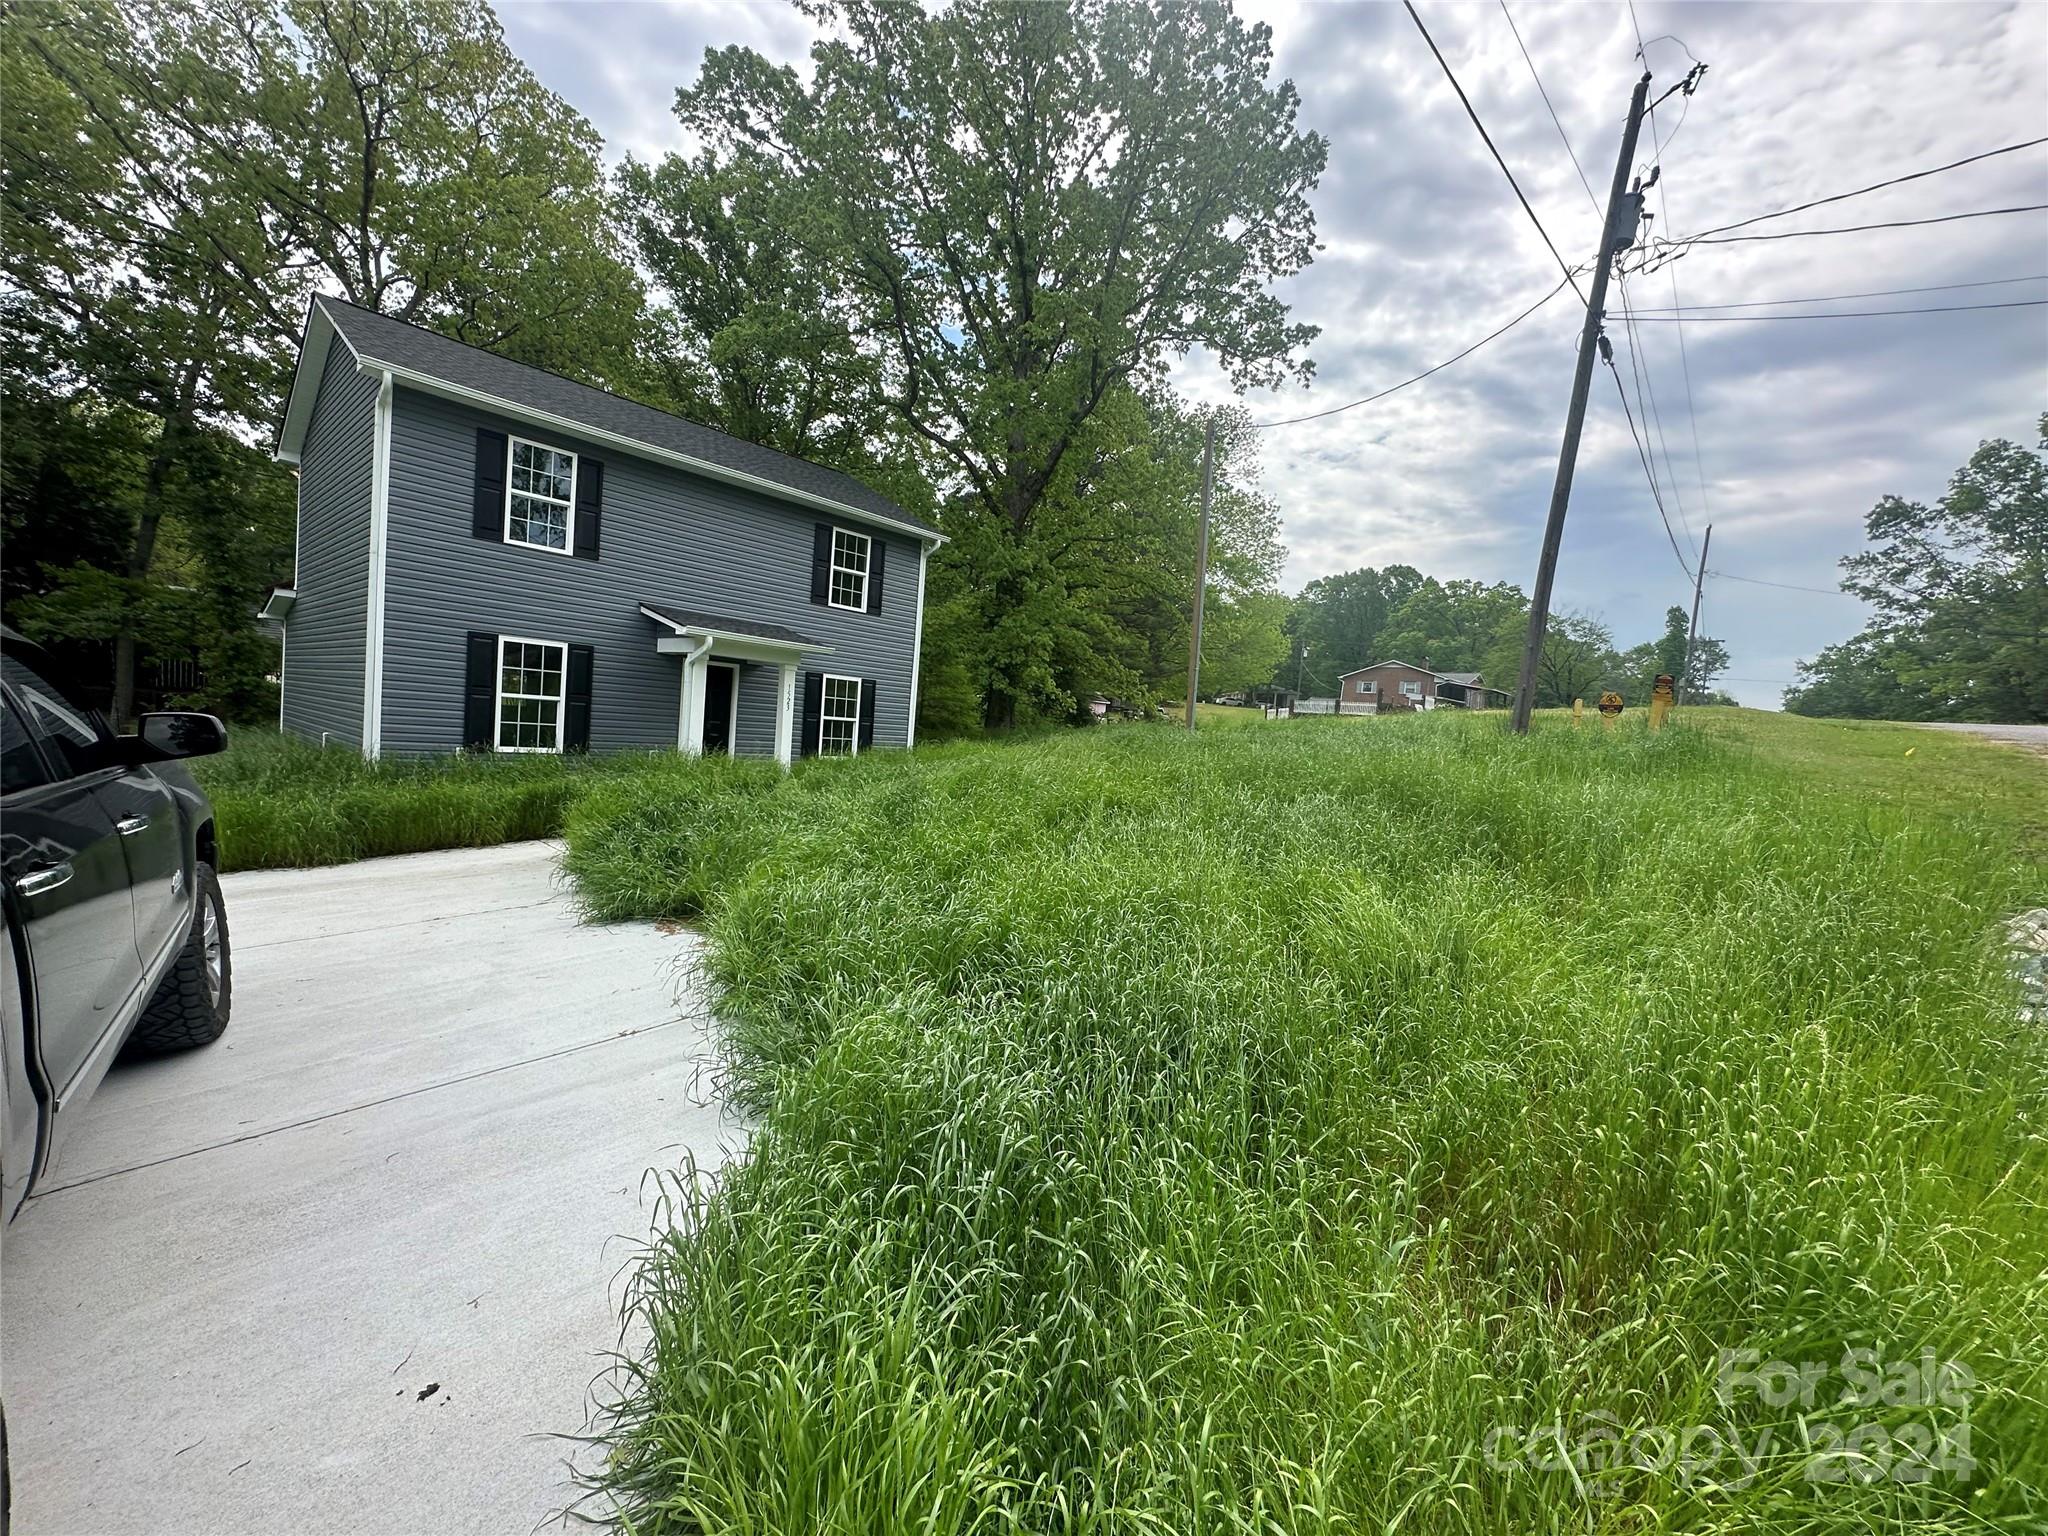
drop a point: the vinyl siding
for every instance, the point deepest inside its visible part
(668, 537)
(324, 649)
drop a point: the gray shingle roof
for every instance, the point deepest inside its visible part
(1463, 679)
(385, 340)
(688, 618)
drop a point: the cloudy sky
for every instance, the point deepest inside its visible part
(1801, 425)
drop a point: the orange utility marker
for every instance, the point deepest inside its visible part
(1610, 708)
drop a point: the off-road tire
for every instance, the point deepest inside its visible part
(189, 1010)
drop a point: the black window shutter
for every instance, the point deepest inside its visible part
(874, 575)
(487, 511)
(821, 563)
(576, 700)
(589, 506)
(867, 713)
(480, 693)
(814, 713)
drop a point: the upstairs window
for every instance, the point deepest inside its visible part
(839, 718)
(849, 587)
(530, 676)
(540, 496)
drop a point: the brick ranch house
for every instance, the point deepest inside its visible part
(1390, 687)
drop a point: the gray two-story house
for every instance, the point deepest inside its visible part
(497, 558)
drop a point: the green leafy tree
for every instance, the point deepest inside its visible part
(179, 175)
(1578, 660)
(1021, 214)
(1859, 679)
(1639, 666)
(1339, 623)
(1965, 582)
(1451, 625)
(750, 334)
(1960, 590)
(1104, 590)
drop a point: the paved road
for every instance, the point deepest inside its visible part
(401, 1168)
(2032, 736)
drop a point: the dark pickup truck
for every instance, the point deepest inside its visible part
(113, 935)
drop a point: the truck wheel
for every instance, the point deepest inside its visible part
(191, 1003)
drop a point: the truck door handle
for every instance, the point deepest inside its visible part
(131, 824)
(48, 878)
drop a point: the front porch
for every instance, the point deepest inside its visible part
(738, 686)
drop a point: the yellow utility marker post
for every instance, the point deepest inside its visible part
(1660, 701)
(1578, 712)
(1610, 708)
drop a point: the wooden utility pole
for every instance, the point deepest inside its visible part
(1692, 630)
(1624, 213)
(1201, 567)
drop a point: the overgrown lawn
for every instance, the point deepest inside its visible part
(283, 803)
(1279, 1129)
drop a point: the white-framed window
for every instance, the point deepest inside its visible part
(1367, 686)
(839, 717)
(849, 580)
(1411, 689)
(531, 674)
(540, 497)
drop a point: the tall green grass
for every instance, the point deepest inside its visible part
(1228, 1134)
(283, 803)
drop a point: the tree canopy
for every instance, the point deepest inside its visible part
(1015, 216)
(1959, 591)
(180, 175)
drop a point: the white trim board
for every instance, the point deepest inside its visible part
(373, 617)
(924, 555)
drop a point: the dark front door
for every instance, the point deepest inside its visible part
(719, 684)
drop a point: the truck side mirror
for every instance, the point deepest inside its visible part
(172, 734)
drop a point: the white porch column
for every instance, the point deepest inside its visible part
(785, 714)
(690, 719)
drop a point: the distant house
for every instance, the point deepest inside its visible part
(1391, 687)
(495, 558)
(1468, 690)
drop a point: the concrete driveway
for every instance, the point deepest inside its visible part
(2032, 737)
(353, 1267)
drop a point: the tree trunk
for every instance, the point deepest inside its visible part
(141, 554)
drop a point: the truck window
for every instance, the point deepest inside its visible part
(21, 766)
(67, 730)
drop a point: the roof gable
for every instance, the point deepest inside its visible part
(427, 360)
(1381, 666)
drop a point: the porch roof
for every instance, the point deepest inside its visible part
(752, 632)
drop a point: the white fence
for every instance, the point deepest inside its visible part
(1327, 707)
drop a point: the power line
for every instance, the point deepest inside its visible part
(1783, 586)
(1590, 196)
(1260, 426)
(1476, 123)
(1687, 85)
(1646, 386)
(1860, 191)
(1668, 249)
(1676, 552)
(1835, 314)
(1830, 298)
